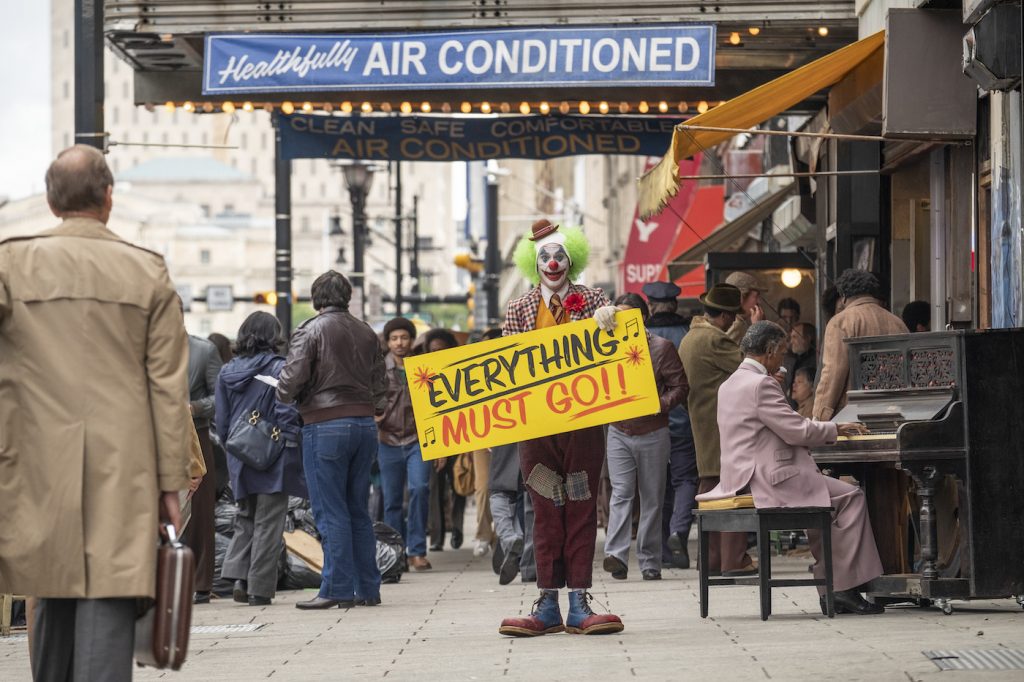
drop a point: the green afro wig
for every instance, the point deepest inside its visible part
(576, 246)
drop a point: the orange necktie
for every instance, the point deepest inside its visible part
(557, 309)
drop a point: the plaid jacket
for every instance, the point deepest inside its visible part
(521, 314)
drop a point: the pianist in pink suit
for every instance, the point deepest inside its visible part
(765, 453)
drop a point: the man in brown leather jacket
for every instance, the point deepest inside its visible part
(638, 451)
(335, 372)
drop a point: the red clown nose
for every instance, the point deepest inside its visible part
(552, 265)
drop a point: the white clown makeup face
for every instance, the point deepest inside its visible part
(553, 266)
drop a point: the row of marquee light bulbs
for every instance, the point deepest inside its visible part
(545, 108)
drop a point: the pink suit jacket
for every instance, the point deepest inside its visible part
(764, 445)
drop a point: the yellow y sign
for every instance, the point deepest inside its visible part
(529, 385)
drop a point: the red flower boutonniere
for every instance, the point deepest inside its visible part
(574, 303)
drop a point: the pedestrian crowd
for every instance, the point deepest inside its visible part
(97, 366)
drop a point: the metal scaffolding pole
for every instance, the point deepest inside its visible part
(282, 232)
(89, 73)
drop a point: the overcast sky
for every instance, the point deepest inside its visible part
(25, 83)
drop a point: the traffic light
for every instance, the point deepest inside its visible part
(265, 297)
(468, 261)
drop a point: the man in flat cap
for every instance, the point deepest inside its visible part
(750, 302)
(677, 513)
(560, 471)
(710, 356)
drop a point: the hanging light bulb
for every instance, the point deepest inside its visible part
(287, 107)
(545, 108)
(823, 31)
(643, 107)
(584, 107)
(405, 107)
(754, 30)
(346, 107)
(663, 107)
(189, 107)
(247, 106)
(208, 107)
(564, 108)
(366, 107)
(169, 106)
(328, 107)
(702, 107)
(524, 108)
(623, 107)
(466, 107)
(683, 107)
(228, 107)
(446, 108)
(268, 107)
(307, 107)
(425, 107)
(734, 38)
(386, 107)
(791, 277)
(505, 107)
(485, 107)
(603, 107)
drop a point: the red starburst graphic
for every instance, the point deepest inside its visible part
(424, 378)
(634, 356)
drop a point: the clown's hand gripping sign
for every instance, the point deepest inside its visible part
(543, 382)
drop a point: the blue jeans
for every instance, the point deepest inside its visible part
(337, 455)
(399, 465)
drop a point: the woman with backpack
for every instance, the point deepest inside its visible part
(264, 460)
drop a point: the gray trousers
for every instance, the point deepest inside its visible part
(256, 545)
(636, 463)
(508, 529)
(79, 640)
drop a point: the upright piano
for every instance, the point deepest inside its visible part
(945, 407)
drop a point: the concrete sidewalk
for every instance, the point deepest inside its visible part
(442, 625)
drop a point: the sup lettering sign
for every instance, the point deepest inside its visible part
(450, 138)
(529, 385)
(630, 56)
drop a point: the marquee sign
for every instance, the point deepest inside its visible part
(628, 56)
(454, 138)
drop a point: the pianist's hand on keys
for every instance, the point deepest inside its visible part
(851, 429)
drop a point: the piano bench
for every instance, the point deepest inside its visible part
(763, 522)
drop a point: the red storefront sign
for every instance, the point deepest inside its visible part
(650, 241)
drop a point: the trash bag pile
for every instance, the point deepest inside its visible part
(293, 573)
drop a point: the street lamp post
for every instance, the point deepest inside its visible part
(359, 178)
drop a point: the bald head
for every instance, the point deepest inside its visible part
(79, 182)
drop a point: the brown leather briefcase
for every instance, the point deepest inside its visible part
(161, 633)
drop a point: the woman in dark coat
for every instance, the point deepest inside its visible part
(262, 496)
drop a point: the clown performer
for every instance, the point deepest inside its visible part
(561, 471)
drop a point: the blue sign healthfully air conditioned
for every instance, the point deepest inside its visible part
(633, 56)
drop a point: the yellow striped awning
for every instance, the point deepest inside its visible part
(661, 183)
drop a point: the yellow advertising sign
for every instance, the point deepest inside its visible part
(529, 385)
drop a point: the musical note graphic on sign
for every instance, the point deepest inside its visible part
(431, 434)
(634, 326)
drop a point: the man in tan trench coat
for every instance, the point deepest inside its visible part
(710, 357)
(93, 428)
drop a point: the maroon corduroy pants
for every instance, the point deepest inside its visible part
(564, 535)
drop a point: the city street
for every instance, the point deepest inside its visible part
(442, 625)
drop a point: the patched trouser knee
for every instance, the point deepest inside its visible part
(577, 489)
(547, 483)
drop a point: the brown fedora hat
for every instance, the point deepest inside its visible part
(722, 297)
(542, 228)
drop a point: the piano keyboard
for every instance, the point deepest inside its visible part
(867, 436)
